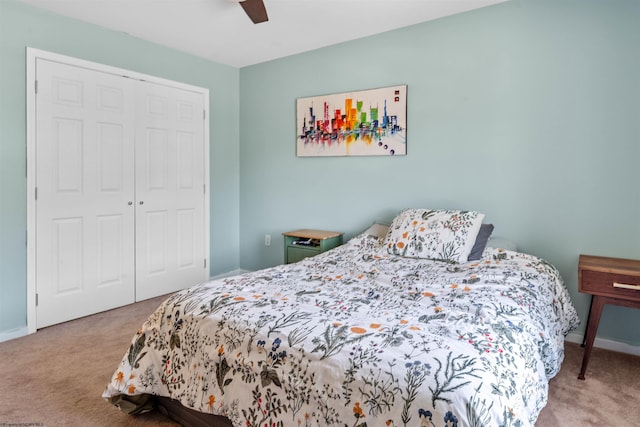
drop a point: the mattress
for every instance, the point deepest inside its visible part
(357, 336)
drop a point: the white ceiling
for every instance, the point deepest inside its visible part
(220, 31)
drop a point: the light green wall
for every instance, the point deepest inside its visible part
(21, 26)
(528, 111)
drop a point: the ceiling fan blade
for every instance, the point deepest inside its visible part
(255, 10)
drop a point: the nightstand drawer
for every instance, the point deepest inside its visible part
(295, 254)
(610, 285)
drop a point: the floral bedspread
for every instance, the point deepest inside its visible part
(357, 337)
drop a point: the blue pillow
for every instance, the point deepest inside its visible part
(481, 242)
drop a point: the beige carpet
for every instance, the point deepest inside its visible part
(56, 376)
(609, 396)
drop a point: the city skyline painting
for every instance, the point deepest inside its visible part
(370, 122)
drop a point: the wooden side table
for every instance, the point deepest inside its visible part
(299, 244)
(610, 281)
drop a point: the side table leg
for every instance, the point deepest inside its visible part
(584, 338)
(597, 304)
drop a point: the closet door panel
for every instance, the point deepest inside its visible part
(84, 183)
(170, 194)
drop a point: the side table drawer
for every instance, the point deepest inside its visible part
(296, 253)
(610, 285)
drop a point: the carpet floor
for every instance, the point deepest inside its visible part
(56, 376)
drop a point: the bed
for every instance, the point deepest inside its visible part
(404, 326)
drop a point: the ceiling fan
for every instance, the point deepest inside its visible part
(255, 10)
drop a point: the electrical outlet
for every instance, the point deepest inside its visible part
(267, 239)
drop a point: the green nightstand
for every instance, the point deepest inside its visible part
(301, 244)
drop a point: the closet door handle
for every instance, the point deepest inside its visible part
(130, 203)
(141, 202)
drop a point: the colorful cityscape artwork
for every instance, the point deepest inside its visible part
(363, 123)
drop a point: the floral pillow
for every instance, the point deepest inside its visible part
(444, 235)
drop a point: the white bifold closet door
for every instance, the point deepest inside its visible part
(120, 191)
(170, 190)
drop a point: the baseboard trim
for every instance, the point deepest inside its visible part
(14, 333)
(24, 331)
(618, 346)
(572, 337)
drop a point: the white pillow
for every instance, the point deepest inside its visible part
(377, 230)
(444, 235)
